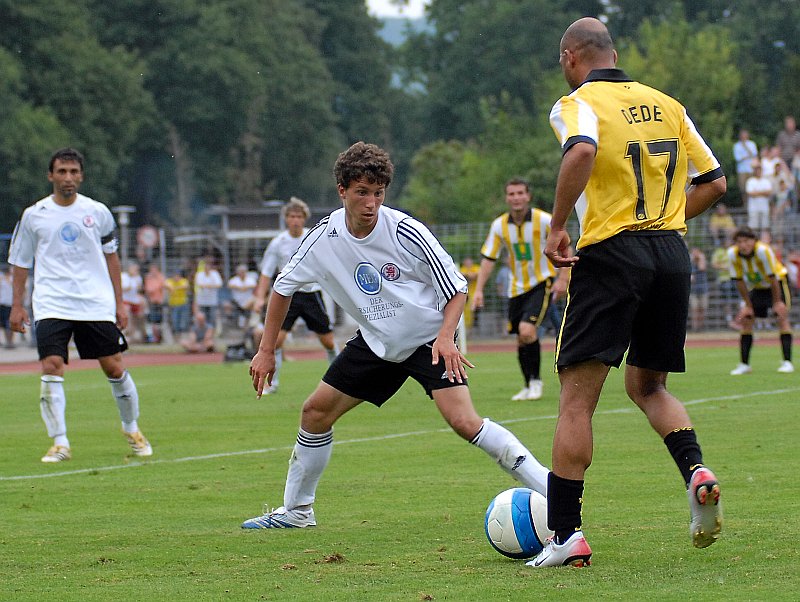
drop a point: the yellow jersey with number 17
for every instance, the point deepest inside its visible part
(648, 152)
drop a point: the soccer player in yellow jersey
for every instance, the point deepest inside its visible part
(629, 152)
(522, 232)
(762, 283)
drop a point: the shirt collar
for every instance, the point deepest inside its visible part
(607, 75)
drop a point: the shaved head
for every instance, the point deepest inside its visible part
(589, 38)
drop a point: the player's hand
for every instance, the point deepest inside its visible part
(454, 360)
(122, 316)
(477, 300)
(558, 250)
(262, 369)
(19, 319)
(745, 313)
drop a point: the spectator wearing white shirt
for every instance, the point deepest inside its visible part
(207, 283)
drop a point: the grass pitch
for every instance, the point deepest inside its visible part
(400, 508)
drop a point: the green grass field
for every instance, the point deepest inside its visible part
(400, 508)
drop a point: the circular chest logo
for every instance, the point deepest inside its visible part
(368, 279)
(88, 221)
(390, 271)
(69, 233)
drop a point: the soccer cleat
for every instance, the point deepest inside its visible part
(786, 367)
(573, 552)
(534, 389)
(705, 507)
(521, 395)
(741, 369)
(57, 453)
(139, 445)
(273, 388)
(281, 518)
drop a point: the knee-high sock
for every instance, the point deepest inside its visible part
(786, 345)
(511, 455)
(530, 360)
(127, 399)
(53, 404)
(278, 364)
(745, 345)
(309, 458)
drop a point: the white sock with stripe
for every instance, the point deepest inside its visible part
(53, 404)
(309, 458)
(511, 455)
(127, 398)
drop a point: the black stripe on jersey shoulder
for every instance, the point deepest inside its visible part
(709, 176)
(313, 235)
(323, 223)
(573, 140)
(414, 236)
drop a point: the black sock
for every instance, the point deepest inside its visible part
(745, 344)
(786, 345)
(564, 501)
(685, 450)
(530, 360)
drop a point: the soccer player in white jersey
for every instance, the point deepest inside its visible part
(71, 241)
(387, 271)
(307, 303)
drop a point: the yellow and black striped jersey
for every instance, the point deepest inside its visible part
(757, 269)
(648, 151)
(525, 247)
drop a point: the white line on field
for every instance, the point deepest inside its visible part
(364, 439)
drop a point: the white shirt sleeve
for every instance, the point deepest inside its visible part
(23, 244)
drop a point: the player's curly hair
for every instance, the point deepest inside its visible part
(366, 161)
(65, 154)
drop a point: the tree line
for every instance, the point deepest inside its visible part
(179, 104)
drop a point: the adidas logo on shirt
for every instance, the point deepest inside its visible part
(333, 234)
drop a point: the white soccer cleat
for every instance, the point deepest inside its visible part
(139, 445)
(786, 367)
(741, 369)
(535, 389)
(705, 507)
(573, 552)
(281, 518)
(522, 395)
(57, 453)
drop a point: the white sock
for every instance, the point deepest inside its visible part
(127, 398)
(278, 364)
(511, 455)
(332, 353)
(309, 458)
(53, 404)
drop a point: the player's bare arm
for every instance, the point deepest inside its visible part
(115, 272)
(445, 347)
(576, 167)
(262, 368)
(487, 265)
(701, 196)
(19, 318)
(260, 293)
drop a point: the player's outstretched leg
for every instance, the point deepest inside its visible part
(309, 458)
(52, 403)
(511, 455)
(127, 398)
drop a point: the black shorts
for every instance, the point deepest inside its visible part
(629, 292)
(761, 298)
(530, 306)
(311, 308)
(5, 315)
(93, 339)
(359, 373)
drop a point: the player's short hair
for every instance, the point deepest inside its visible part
(745, 232)
(518, 181)
(366, 161)
(66, 154)
(296, 205)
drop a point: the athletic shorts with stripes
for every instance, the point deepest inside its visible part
(761, 298)
(359, 373)
(530, 306)
(628, 292)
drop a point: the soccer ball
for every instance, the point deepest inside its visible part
(516, 523)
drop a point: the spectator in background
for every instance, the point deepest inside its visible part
(200, 338)
(6, 299)
(469, 269)
(783, 186)
(154, 291)
(759, 195)
(745, 152)
(133, 297)
(770, 157)
(178, 302)
(207, 283)
(698, 293)
(242, 285)
(721, 225)
(788, 140)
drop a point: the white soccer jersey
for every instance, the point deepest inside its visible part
(279, 252)
(394, 283)
(68, 246)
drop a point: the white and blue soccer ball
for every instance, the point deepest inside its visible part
(516, 523)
